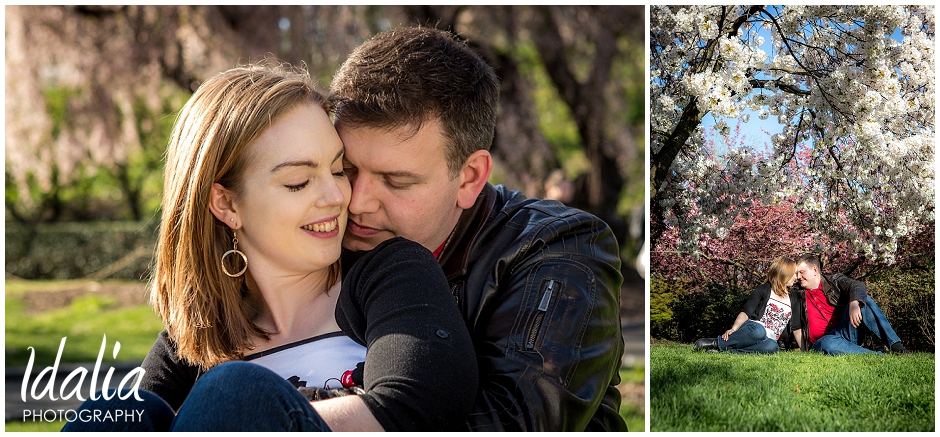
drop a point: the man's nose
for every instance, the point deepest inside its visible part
(363, 198)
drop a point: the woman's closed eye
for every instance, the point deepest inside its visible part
(297, 187)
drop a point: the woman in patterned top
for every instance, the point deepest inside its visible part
(766, 314)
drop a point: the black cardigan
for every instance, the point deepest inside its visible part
(757, 303)
(420, 371)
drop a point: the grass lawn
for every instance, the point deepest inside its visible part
(633, 410)
(14, 426)
(789, 391)
(84, 322)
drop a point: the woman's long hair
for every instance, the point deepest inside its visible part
(206, 313)
(779, 273)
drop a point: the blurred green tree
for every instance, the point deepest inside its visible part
(92, 92)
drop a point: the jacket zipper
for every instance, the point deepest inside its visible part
(454, 289)
(542, 309)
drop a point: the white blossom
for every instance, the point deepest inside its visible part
(857, 149)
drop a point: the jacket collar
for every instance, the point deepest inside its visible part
(823, 281)
(456, 254)
(826, 283)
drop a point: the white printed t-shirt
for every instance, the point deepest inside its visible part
(318, 361)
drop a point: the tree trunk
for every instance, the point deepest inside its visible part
(587, 98)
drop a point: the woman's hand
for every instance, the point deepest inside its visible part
(742, 317)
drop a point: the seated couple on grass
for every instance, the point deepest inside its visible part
(825, 313)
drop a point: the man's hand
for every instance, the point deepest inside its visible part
(855, 314)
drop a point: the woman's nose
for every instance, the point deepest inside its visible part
(332, 193)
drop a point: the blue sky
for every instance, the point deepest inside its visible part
(754, 130)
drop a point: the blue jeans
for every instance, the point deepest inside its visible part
(844, 338)
(233, 396)
(751, 337)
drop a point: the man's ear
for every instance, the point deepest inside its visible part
(474, 175)
(222, 206)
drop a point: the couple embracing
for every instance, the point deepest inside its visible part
(823, 313)
(360, 273)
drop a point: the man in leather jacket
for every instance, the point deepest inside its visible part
(537, 283)
(835, 307)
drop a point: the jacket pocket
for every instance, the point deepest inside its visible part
(548, 291)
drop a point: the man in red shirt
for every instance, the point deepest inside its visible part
(836, 306)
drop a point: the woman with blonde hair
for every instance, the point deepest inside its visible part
(247, 281)
(766, 314)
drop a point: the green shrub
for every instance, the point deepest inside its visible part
(663, 294)
(907, 300)
(707, 311)
(77, 250)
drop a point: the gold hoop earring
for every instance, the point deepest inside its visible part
(237, 252)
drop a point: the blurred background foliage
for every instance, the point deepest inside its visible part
(92, 94)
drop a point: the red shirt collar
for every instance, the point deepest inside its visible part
(440, 249)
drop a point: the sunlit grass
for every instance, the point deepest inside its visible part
(632, 412)
(789, 391)
(84, 323)
(14, 426)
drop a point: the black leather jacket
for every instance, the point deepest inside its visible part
(538, 284)
(839, 290)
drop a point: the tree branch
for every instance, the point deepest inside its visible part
(762, 83)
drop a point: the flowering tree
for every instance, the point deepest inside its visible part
(92, 90)
(698, 291)
(87, 94)
(748, 236)
(856, 156)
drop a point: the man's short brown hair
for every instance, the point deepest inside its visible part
(405, 77)
(811, 260)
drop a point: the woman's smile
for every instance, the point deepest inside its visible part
(324, 229)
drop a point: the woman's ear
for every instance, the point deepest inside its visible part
(222, 206)
(474, 175)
